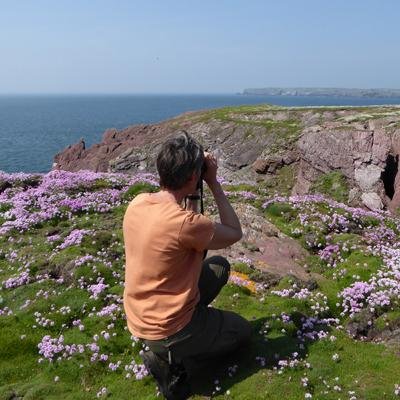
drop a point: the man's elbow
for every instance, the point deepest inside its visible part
(239, 235)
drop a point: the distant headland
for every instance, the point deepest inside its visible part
(336, 92)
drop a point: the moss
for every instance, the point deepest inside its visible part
(332, 184)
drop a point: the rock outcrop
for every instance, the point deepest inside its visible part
(274, 253)
(253, 143)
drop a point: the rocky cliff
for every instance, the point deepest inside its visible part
(350, 153)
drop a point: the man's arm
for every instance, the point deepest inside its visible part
(229, 231)
(226, 213)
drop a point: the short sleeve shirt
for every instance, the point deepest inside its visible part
(195, 231)
(164, 246)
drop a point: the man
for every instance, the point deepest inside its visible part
(168, 286)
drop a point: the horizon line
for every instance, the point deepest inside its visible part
(115, 93)
(186, 93)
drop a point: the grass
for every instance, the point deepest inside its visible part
(368, 369)
(283, 180)
(283, 131)
(333, 184)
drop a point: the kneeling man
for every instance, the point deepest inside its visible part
(168, 283)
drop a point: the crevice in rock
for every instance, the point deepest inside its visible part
(388, 175)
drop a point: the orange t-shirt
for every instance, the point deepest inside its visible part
(164, 246)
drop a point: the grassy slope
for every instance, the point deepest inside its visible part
(370, 370)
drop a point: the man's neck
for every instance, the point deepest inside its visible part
(174, 195)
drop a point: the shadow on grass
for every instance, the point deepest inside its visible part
(245, 357)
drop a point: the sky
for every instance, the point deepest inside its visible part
(207, 46)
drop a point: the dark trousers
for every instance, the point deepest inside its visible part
(211, 332)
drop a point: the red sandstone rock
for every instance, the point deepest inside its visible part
(356, 142)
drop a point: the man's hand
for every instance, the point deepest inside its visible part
(210, 175)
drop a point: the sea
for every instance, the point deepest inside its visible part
(33, 128)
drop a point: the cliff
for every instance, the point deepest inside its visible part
(348, 151)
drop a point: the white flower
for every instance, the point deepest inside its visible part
(304, 381)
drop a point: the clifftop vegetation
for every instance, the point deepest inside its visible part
(324, 327)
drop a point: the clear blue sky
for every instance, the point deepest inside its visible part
(207, 46)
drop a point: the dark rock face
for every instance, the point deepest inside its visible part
(268, 165)
(358, 142)
(364, 327)
(4, 185)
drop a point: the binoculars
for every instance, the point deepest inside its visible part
(203, 170)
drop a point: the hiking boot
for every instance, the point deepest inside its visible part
(172, 379)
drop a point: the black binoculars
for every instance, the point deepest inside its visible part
(203, 170)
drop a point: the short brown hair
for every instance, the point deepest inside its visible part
(179, 157)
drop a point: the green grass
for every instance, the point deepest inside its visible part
(282, 131)
(333, 184)
(283, 180)
(390, 318)
(369, 369)
(284, 216)
(242, 268)
(137, 188)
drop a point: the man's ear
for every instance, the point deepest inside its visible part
(194, 177)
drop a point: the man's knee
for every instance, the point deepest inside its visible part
(221, 267)
(245, 331)
(241, 327)
(238, 327)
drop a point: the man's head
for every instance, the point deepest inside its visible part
(179, 157)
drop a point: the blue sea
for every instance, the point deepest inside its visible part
(34, 128)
